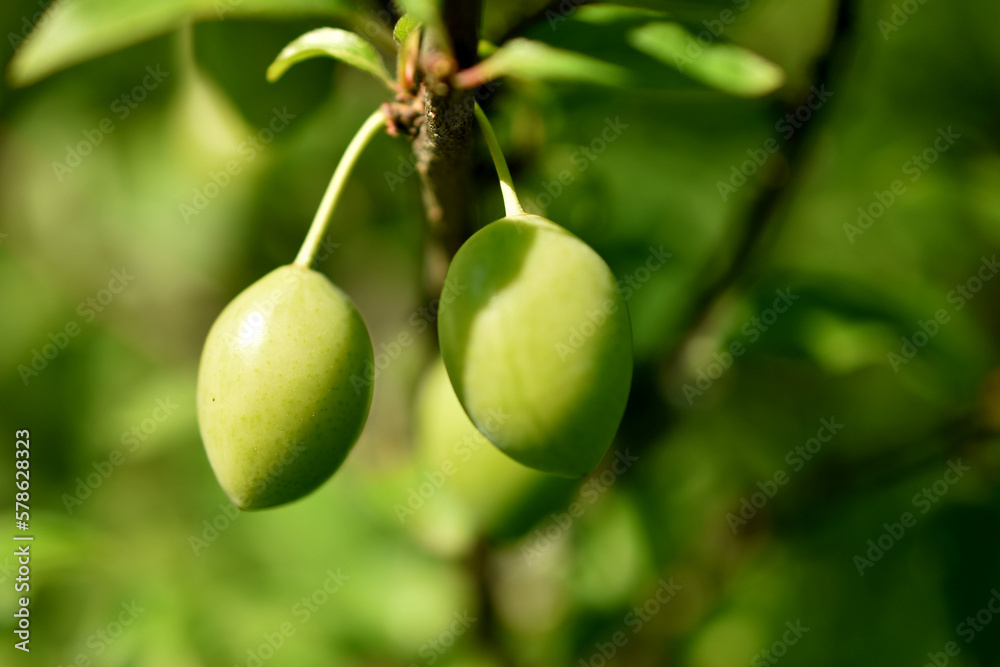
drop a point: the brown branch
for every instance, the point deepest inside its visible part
(443, 147)
(487, 624)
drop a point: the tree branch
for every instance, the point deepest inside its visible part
(560, 8)
(762, 218)
(443, 147)
(649, 417)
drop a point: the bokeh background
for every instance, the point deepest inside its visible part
(814, 500)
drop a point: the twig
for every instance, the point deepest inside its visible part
(478, 566)
(762, 218)
(838, 481)
(561, 8)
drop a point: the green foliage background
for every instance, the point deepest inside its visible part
(538, 599)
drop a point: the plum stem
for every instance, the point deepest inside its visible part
(510, 201)
(320, 223)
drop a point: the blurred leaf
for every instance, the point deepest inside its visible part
(404, 26)
(528, 59)
(423, 11)
(428, 13)
(627, 46)
(485, 48)
(78, 30)
(340, 44)
(728, 67)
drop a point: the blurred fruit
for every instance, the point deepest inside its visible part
(484, 482)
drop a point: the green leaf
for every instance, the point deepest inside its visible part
(335, 43)
(627, 46)
(422, 11)
(528, 59)
(426, 12)
(728, 67)
(404, 26)
(78, 30)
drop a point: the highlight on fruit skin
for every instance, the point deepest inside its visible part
(277, 410)
(539, 330)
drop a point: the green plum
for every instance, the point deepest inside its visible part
(486, 484)
(279, 401)
(539, 333)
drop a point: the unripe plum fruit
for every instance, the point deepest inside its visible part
(485, 484)
(277, 410)
(538, 331)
